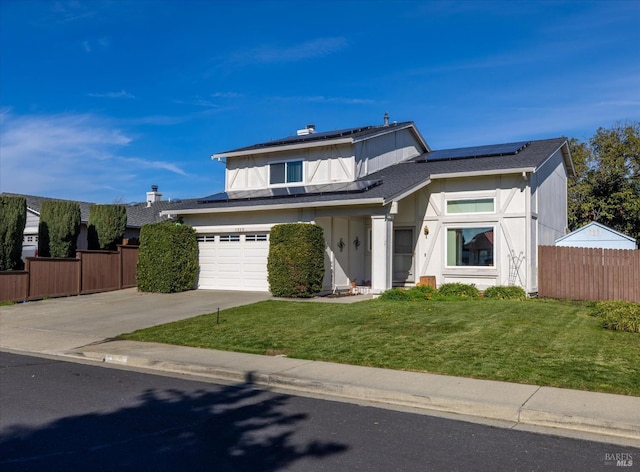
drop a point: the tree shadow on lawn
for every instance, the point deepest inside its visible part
(234, 429)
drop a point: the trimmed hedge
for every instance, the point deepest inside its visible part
(107, 224)
(168, 258)
(13, 218)
(504, 292)
(296, 260)
(58, 229)
(456, 289)
(619, 316)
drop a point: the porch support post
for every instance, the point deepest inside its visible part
(381, 253)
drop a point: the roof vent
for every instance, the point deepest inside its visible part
(386, 118)
(310, 129)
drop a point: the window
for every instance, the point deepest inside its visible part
(470, 247)
(229, 238)
(256, 237)
(471, 205)
(285, 172)
(206, 238)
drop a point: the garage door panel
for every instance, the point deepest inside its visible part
(231, 262)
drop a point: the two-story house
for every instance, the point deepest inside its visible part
(391, 208)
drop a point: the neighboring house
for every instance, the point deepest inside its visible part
(392, 209)
(596, 235)
(138, 214)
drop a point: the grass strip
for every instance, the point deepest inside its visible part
(539, 342)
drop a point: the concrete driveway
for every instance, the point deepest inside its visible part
(61, 324)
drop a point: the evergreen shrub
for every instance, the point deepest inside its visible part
(59, 228)
(168, 258)
(13, 218)
(458, 290)
(107, 224)
(618, 315)
(296, 260)
(504, 292)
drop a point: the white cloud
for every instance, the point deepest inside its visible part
(69, 156)
(323, 99)
(120, 94)
(268, 54)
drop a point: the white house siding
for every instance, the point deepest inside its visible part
(550, 199)
(222, 264)
(507, 221)
(321, 165)
(377, 153)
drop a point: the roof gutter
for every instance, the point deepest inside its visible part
(281, 206)
(482, 173)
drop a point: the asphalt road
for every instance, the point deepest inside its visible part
(57, 415)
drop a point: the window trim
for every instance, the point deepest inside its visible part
(478, 225)
(286, 163)
(463, 199)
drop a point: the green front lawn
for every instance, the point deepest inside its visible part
(539, 342)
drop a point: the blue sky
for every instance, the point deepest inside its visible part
(101, 99)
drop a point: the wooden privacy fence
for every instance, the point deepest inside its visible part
(89, 272)
(589, 274)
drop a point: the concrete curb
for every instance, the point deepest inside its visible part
(531, 407)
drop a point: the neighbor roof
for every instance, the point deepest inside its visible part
(138, 214)
(397, 181)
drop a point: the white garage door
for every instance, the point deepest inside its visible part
(233, 261)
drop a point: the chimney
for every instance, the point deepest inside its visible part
(310, 129)
(386, 118)
(153, 196)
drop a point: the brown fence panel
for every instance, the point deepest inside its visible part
(100, 271)
(129, 257)
(53, 277)
(14, 286)
(589, 274)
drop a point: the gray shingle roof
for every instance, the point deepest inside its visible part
(353, 133)
(402, 177)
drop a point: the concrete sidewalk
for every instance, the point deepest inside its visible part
(77, 328)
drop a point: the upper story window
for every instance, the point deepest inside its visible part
(471, 205)
(285, 172)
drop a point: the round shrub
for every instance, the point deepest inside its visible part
(503, 292)
(417, 293)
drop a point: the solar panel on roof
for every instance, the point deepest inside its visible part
(476, 151)
(278, 192)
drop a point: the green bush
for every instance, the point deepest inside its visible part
(619, 316)
(168, 258)
(296, 260)
(458, 290)
(417, 293)
(13, 218)
(107, 224)
(503, 292)
(59, 228)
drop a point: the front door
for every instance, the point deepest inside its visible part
(403, 246)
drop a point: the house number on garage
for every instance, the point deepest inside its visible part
(239, 230)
